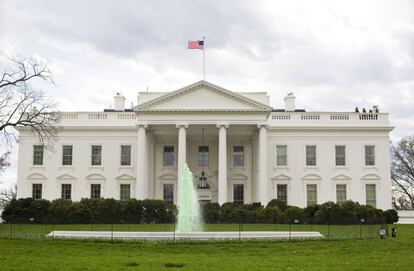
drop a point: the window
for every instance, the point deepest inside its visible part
(168, 192)
(125, 192)
(238, 156)
(340, 193)
(168, 156)
(203, 156)
(96, 155)
(38, 155)
(67, 154)
(281, 155)
(370, 155)
(310, 155)
(371, 195)
(340, 155)
(282, 192)
(95, 191)
(311, 194)
(238, 193)
(37, 191)
(66, 191)
(125, 155)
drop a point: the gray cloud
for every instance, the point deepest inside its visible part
(332, 54)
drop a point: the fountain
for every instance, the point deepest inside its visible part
(189, 215)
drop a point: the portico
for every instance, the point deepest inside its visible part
(215, 156)
(230, 122)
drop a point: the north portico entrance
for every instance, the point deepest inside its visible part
(222, 159)
(233, 155)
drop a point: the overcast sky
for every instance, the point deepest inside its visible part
(333, 55)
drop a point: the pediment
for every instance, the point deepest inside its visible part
(312, 177)
(239, 177)
(65, 177)
(202, 96)
(371, 177)
(168, 177)
(125, 177)
(281, 177)
(36, 176)
(341, 177)
(95, 176)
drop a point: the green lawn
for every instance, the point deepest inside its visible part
(349, 254)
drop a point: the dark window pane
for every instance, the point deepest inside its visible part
(125, 191)
(370, 155)
(96, 155)
(95, 191)
(203, 156)
(38, 155)
(310, 155)
(37, 191)
(281, 155)
(238, 193)
(67, 154)
(168, 192)
(238, 156)
(340, 155)
(66, 191)
(125, 155)
(168, 156)
(282, 192)
(311, 194)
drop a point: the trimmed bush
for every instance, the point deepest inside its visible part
(281, 205)
(291, 214)
(132, 211)
(109, 211)
(211, 212)
(391, 216)
(59, 211)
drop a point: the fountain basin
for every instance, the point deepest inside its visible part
(154, 236)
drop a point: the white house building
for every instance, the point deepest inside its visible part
(238, 147)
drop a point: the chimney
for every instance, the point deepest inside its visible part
(290, 102)
(119, 102)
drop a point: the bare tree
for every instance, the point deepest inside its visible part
(7, 195)
(402, 173)
(22, 105)
(4, 161)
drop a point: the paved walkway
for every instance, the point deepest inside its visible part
(185, 235)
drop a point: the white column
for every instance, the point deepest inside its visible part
(182, 151)
(222, 164)
(262, 183)
(141, 186)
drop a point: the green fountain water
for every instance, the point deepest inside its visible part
(189, 215)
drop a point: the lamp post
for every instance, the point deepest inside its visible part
(362, 220)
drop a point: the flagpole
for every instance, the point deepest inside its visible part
(204, 59)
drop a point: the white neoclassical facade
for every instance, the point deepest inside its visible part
(238, 147)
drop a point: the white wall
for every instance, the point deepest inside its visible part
(111, 141)
(355, 167)
(82, 141)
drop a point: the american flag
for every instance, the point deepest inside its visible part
(196, 44)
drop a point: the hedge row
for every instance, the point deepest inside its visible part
(87, 211)
(278, 212)
(156, 211)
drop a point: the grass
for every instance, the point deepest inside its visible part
(348, 254)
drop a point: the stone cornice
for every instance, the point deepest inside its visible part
(201, 111)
